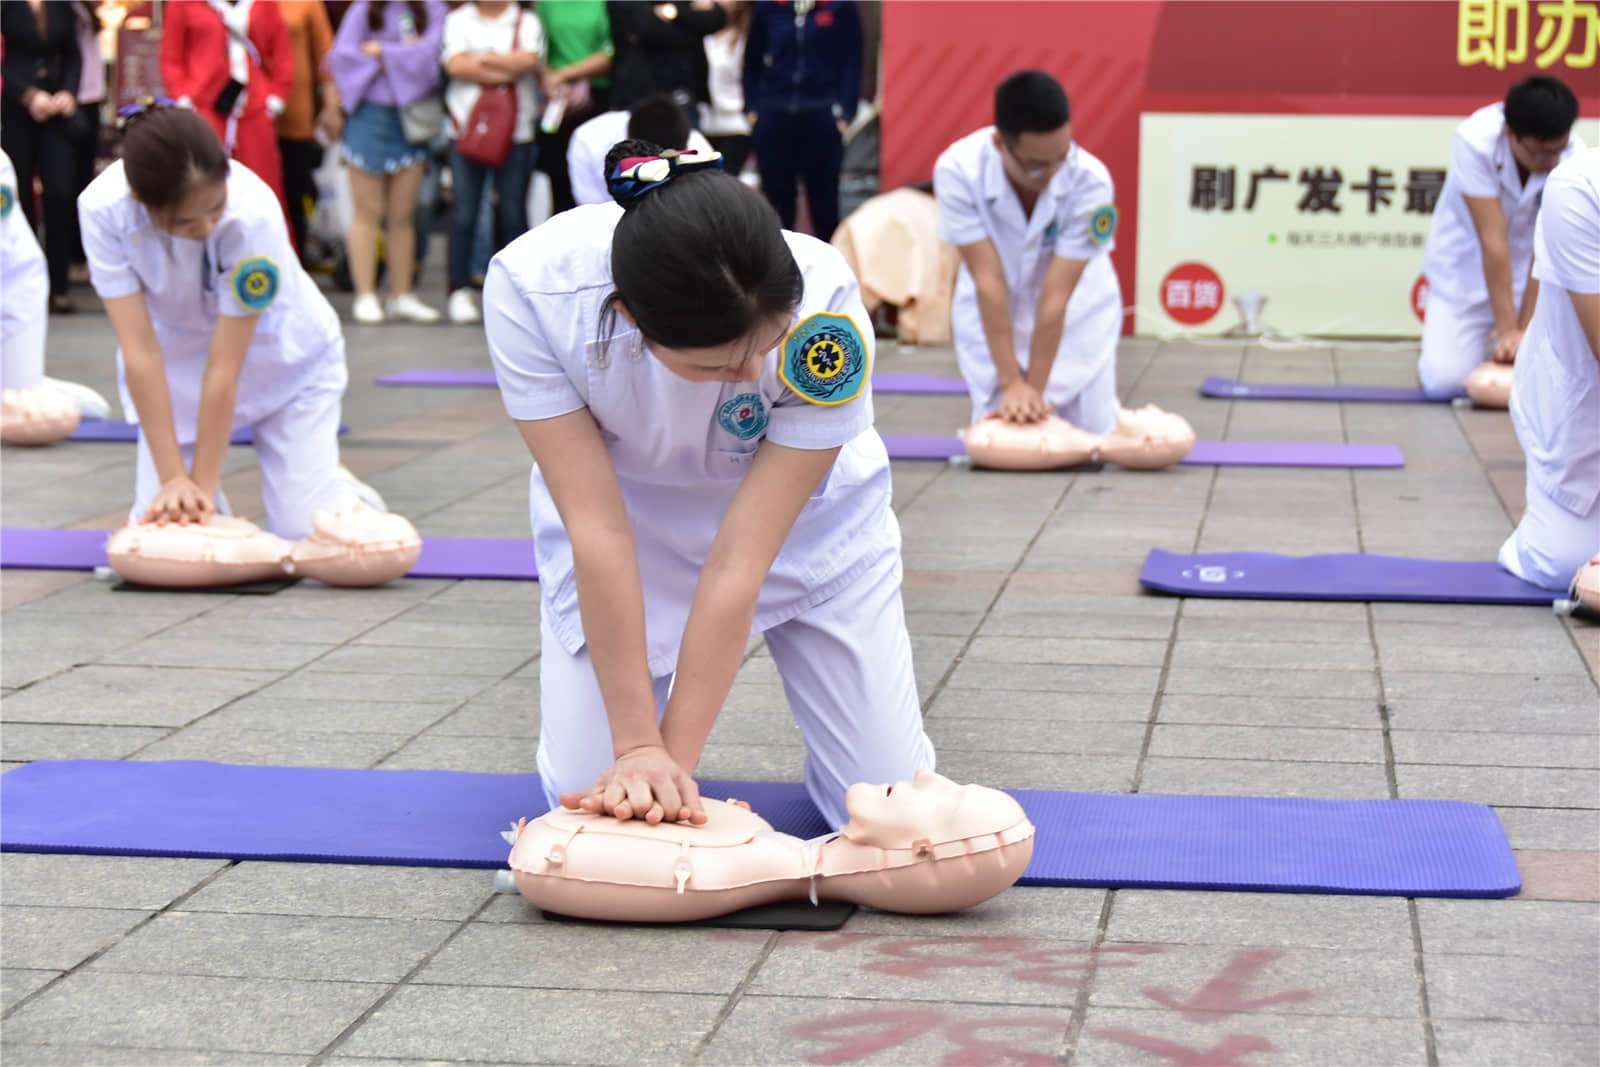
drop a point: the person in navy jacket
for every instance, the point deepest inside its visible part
(802, 81)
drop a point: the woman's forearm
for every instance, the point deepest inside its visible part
(146, 375)
(713, 646)
(611, 605)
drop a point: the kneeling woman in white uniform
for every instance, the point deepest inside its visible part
(1555, 394)
(218, 327)
(693, 383)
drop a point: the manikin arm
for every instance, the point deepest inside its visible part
(1060, 280)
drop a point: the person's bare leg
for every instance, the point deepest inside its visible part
(400, 207)
(367, 195)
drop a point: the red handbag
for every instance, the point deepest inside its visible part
(492, 124)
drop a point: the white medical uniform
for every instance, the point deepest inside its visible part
(24, 290)
(1455, 333)
(293, 376)
(586, 154)
(830, 607)
(1075, 218)
(1555, 392)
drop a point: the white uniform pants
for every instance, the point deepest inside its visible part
(24, 310)
(846, 668)
(1089, 404)
(1550, 544)
(1455, 340)
(298, 449)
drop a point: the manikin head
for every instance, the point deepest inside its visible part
(930, 808)
(1032, 128)
(177, 168)
(701, 267)
(1540, 112)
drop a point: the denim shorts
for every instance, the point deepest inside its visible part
(375, 141)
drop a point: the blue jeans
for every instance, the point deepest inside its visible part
(511, 213)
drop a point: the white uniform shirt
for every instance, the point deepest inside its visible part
(586, 154)
(246, 267)
(24, 290)
(1481, 164)
(465, 30)
(1075, 218)
(1555, 397)
(681, 448)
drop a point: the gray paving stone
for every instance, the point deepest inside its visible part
(1496, 749)
(1534, 928)
(76, 1055)
(1268, 743)
(214, 1015)
(299, 630)
(1250, 630)
(942, 623)
(1292, 612)
(1021, 911)
(1475, 659)
(1032, 676)
(25, 742)
(19, 982)
(1042, 705)
(416, 659)
(283, 747)
(1532, 787)
(144, 883)
(330, 715)
(494, 720)
(1039, 770)
(1260, 682)
(1307, 712)
(452, 633)
(518, 691)
(750, 763)
(772, 1030)
(1106, 627)
(1349, 923)
(1274, 981)
(1512, 988)
(130, 696)
(457, 1023)
(1119, 1036)
(1022, 599)
(407, 688)
(453, 752)
(345, 890)
(1513, 689)
(1067, 650)
(296, 947)
(1551, 828)
(1493, 716)
(1278, 655)
(221, 653)
(1027, 735)
(1269, 778)
(569, 956)
(1465, 1042)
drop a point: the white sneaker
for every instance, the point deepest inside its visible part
(367, 309)
(463, 309)
(363, 492)
(410, 308)
(90, 404)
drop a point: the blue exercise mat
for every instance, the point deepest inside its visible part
(1344, 576)
(453, 819)
(112, 430)
(1229, 389)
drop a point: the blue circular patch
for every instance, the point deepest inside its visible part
(745, 416)
(255, 283)
(1103, 224)
(825, 359)
(8, 200)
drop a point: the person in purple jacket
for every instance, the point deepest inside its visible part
(802, 82)
(385, 59)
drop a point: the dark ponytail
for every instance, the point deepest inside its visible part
(167, 152)
(699, 260)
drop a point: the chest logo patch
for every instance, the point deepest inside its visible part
(745, 416)
(1103, 224)
(825, 359)
(8, 200)
(255, 283)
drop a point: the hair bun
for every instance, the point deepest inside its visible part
(635, 168)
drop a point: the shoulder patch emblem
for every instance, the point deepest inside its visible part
(8, 200)
(744, 416)
(825, 359)
(255, 283)
(1103, 224)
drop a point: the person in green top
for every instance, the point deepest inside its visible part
(577, 70)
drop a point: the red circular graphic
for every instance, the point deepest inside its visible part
(1192, 293)
(1419, 298)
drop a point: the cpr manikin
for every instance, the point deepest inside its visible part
(358, 547)
(1146, 439)
(921, 847)
(1489, 385)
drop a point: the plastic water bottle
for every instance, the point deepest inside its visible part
(554, 112)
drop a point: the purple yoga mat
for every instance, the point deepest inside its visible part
(929, 384)
(454, 819)
(1229, 389)
(1348, 576)
(442, 557)
(111, 430)
(1205, 453)
(472, 379)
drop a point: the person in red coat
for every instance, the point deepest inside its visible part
(232, 62)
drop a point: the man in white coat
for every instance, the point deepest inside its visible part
(1037, 307)
(1480, 246)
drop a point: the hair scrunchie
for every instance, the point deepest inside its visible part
(144, 105)
(636, 176)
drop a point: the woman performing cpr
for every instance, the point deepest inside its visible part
(693, 383)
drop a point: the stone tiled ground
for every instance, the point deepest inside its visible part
(1040, 663)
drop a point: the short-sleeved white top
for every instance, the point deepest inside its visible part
(586, 154)
(465, 30)
(681, 448)
(1074, 218)
(24, 290)
(1555, 396)
(1481, 164)
(246, 267)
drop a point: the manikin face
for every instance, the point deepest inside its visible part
(737, 361)
(197, 214)
(930, 807)
(1032, 159)
(1537, 155)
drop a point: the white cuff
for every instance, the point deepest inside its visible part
(275, 106)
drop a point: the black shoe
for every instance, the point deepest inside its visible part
(61, 304)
